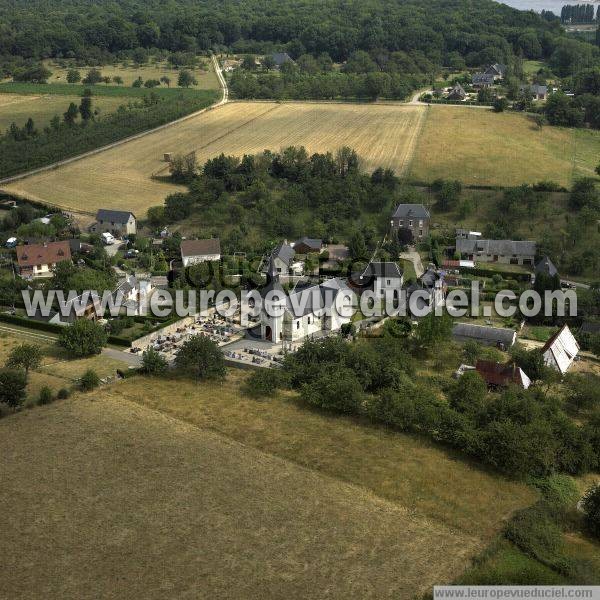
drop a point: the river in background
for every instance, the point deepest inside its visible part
(538, 5)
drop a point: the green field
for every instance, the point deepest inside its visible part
(480, 147)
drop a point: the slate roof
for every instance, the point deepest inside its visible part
(535, 89)
(483, 79)
(494, 373)
(497, 69)
(546, 266)
(382, 269)
(429, 278)
(114, 216)
(43, 254)
(499, 247)
(312, 243)
(280, 58)
(285, 253)
(200, 247)
(496, 335)
(590, 327)
(457, 90)
(411, 211)
(316, 297)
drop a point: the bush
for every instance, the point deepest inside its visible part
(46, 396)
(591, 508)
(83, 338)
(89, 380)
(63, 394)
(200, 358)
(153, 363)
(263, 383)
(339, 391)
(533, 532)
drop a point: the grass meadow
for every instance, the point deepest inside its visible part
(480, 147)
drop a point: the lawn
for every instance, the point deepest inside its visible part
(103, 492)
(15, 108)
(122, 177)
(480, 147)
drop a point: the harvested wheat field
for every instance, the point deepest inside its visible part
(104, 498)
(383, 135)
(482, 147)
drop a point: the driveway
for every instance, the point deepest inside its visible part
(415, 258)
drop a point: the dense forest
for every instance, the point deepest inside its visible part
(476, 31)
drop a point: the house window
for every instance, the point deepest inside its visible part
(410, 223)
(420, 233)
(297, 324)
(389, 282)
(400, 223)
(421, 223)
(309, 320)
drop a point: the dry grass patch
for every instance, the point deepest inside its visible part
(383, 135)
(482, 147)
(408, 470)
(104, 498)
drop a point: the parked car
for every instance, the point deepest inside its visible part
(108, 239)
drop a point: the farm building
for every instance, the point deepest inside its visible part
(490, 336)
(194, 252)
(36, 261)
(560, 350)
(310, 311)
(499, 251)
(117, 222)
(498, 375)
(411, 216)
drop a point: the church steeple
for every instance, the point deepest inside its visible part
(272, 274)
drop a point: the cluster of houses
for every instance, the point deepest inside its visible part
(488, 79)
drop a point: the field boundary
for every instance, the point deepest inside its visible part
(67, 161)
(411, 147)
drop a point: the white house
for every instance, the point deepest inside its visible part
(117, 222)
(385, 277)
(194, 252)
(560, 350)
(36, 261)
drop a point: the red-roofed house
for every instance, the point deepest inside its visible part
(38, 260)
(499, 375)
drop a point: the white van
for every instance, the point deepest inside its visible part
(108, 239)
